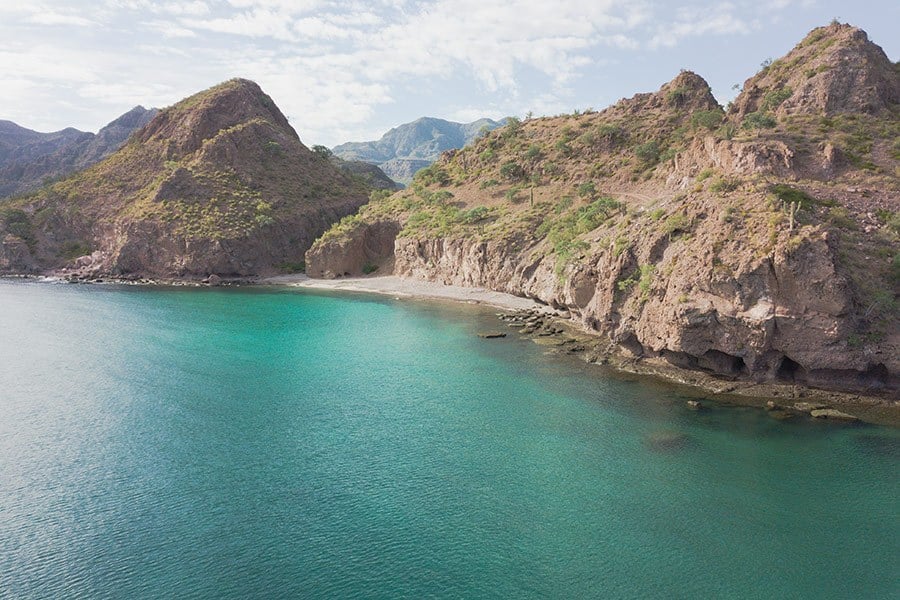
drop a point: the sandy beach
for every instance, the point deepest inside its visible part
(401, 287)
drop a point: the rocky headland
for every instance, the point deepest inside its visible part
(751, 243)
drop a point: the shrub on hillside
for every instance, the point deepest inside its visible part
(647, 152)
(758, 120)
(512, 171)
(707, 119)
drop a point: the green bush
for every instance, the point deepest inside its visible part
(292, 267)
(889, 218)
(723, 185)
(708, 119)
(564, 231)
(677, 96)
(563, 204)
(705, 174)
(623, 284)
(321, 151)
(789, 194)
(534, 152)
(379, 195)
(474, 215)
(647, 152)
(611, 134)
(677, 222)
(512, 171)
(587, 139)
(645, 282)
(441, 196)
(512, 194)
(726, 131)
(18, 223)
(432, 174)
(587, 189)
(512, 129)
(758, 120)
(73, 249)
(774, 99)
(563, 147)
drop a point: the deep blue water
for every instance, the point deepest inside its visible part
(260, 443)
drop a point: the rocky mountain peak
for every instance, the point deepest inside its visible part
(687, 92)
(835, 69)
(136, 117)
(188, 123)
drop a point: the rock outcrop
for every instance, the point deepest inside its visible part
(758, 248)
(219, 184)
(834, 70)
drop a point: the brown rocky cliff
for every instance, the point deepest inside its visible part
(677, 232)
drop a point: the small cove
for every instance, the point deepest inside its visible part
(259, 442)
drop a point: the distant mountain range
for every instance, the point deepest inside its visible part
(412, 146)
(28, 159)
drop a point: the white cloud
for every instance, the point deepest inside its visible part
(260, 23)
(55, 18)
(340, 67)
(128, 93)
(698, 22)
(288, 7)
(168, 29)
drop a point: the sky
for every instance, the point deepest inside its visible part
(349, 70)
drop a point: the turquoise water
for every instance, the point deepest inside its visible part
(175, 443)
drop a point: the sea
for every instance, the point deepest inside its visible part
(263, 442)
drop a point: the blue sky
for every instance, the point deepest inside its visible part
(349, 70)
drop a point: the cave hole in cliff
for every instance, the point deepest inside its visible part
(722, 363)
(876, 376)
(788, 370)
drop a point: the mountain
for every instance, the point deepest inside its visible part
(751, 249)
(403, 150)
(368, 173)
(29, 158)
(218, 184)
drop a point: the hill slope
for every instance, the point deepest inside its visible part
(219, 183)
(28, 158)
(409, 147)
(759, 244)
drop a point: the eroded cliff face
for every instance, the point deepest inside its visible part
(746, 248)
(216, 184)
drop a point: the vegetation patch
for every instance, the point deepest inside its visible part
(707, 119)
(724, 185)
(17, 222)
(291, 267)
(647, 152)
(758, 120)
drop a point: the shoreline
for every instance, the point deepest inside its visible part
(783, 400)
(567, 338)
(403, 287)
